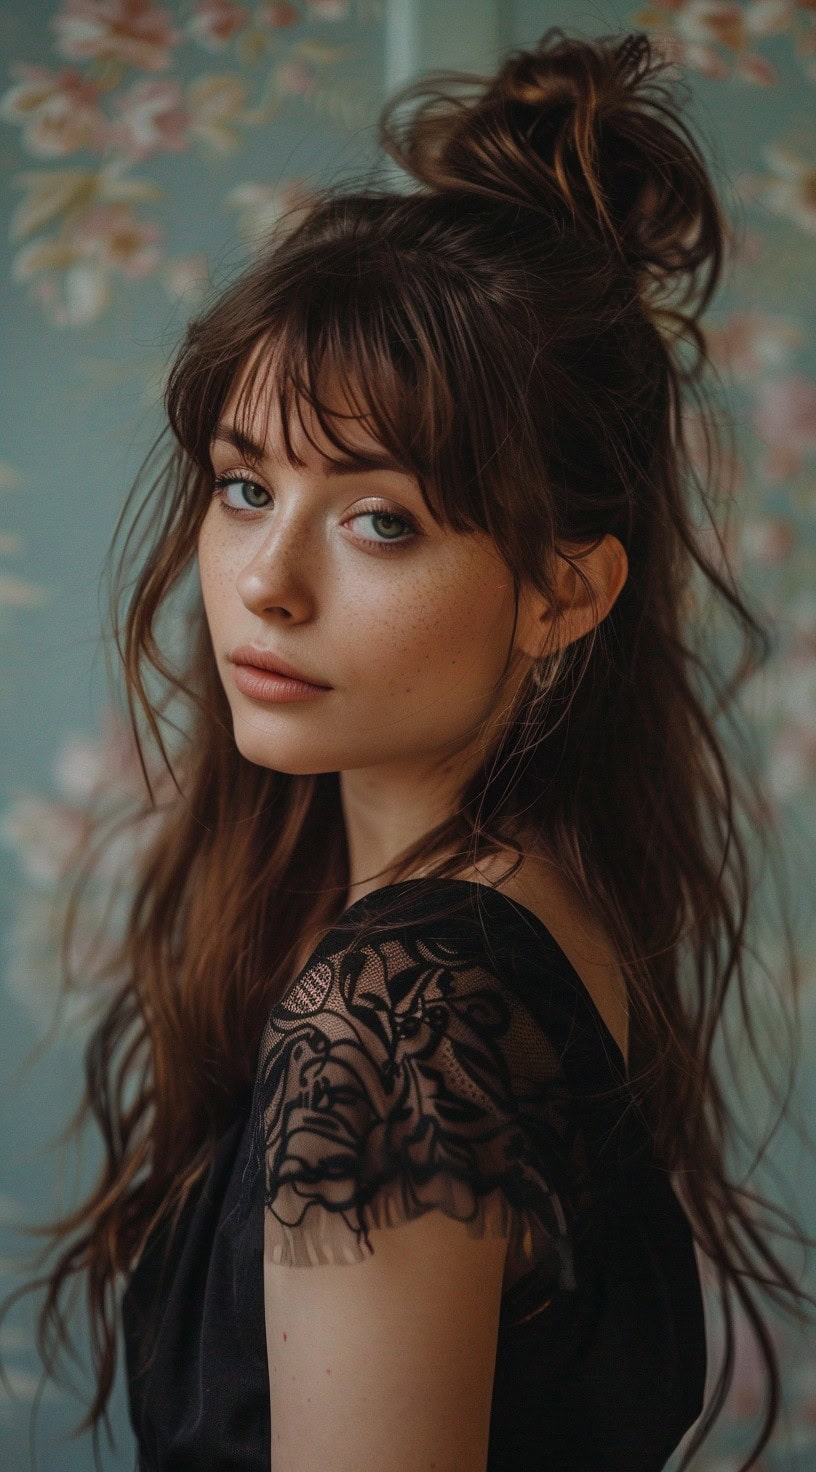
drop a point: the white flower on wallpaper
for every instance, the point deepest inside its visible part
(44, 831)
(150, 116)
(114, 83)
(757, 352)
(260, 206)
(58, 111)
(784, 417)
(70, 272)
(84, 228)
(750, 342)
(15, 591)
(789, 190)
(214, 25)
(130, 31)
(17, 1351)
(719, 38)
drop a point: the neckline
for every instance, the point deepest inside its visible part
(521, 911)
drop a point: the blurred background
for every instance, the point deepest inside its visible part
(145, 147)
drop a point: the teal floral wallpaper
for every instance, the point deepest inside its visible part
(145, 148)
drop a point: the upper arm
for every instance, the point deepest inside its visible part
(389, 1363)
(409, 1133)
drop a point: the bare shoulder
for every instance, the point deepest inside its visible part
(543, 888)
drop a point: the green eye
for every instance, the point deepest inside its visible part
(374, 513)
(224, 481)
(390, 516)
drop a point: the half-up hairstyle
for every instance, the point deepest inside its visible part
(521, 325)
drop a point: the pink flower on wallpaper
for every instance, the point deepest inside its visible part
(130, 31)
(732, 470)
(721, 21)
(748, 343)
(44, 833)
(673, 48)
(261, 206)
(689, 32)
(751, 67)
(78, 295)
(293, 79)
(277, 16)
(152, 118)
(214, 104)
(111, 236)
(215, 22)
(58, 110)
(784, 417)
(44, 830)
(186, 276)
(768, 540)
(327, 9)
(727, 22)
(84, 766)
(790, 191)
(791, 765)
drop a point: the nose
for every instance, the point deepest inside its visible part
(282, 571)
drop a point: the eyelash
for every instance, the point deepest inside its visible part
(231, 478)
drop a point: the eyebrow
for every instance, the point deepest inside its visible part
(364, 460)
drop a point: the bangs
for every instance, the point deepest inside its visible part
(360, 343)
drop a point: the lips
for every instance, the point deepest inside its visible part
(264, 659)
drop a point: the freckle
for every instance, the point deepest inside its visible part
(284, 1338)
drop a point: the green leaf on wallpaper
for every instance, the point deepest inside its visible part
(216, 103)
(343, 104)
(319, 52)
(251, 46)
(55, 192)
(119, 189)
(51, 193)
(43, 255)
(267, 107)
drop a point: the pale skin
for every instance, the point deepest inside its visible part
(412, 638)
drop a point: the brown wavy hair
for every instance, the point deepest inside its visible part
(521, 322)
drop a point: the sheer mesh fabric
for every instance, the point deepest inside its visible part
(437, 1050)
(398, 1076)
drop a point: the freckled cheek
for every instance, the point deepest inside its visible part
(220, 563)
(427, 633)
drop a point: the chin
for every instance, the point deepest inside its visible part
(279, 756)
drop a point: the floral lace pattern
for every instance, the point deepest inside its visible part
(399, 1076)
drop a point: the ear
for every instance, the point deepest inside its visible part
(606, 568)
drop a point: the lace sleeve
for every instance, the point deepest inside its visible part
(397, 1077)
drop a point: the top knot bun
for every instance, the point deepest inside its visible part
(587, 131)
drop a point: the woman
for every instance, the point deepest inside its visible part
(402, 994)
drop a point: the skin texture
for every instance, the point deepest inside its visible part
(388, 1363)
(411, 637)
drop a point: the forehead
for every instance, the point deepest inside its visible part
(252, 417)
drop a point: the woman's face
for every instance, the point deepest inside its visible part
(348, 578)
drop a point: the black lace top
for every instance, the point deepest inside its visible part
(422, 1060)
